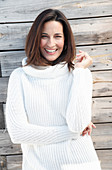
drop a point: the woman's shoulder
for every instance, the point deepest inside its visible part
(16, 73)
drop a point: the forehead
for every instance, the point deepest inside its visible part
(52, 27)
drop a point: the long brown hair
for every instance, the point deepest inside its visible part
(32, 47)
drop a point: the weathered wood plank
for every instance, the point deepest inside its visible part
(14, 162)
(102, 58)
(3, 89)
(102, 83)
(92, 31)
(86, 31)
(105, 156)
(13, 35)
(101, 136)
(10, 61)
(3, 163)
(101, 54)
(6, 146)
(2, 124)
(26, 10)
(102, 109)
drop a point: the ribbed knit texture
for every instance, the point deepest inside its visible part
(45, 112)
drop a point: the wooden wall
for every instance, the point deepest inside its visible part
(91, 22)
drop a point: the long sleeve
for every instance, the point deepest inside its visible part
(20, 130)
(78, 114)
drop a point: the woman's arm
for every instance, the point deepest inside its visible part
(20, 130)
(78, 115)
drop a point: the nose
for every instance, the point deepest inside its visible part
(51, 42)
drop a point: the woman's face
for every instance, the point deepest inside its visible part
(52, 40)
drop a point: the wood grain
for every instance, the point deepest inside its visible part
(105, 157)
(102, 136)
(3, 163)
(10, 61)
(101, 54)
(27, 11)
(86, 32)
(6, 146)
(102, 109)
(3, 89)
(14, 162)
(2, 124)
(102, 83)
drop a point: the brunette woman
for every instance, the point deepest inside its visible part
(48, 106)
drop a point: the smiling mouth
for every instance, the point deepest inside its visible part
(50, 51)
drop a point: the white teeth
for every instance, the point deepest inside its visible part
(50, 51)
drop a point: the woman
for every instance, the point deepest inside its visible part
(48, 106)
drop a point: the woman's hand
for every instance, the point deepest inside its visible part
(88, 129)
(83, 60)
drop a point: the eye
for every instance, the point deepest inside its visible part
(58, 36)
(44, 36)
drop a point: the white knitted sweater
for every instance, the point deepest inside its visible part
(45, 112)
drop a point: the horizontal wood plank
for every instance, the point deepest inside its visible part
(6, 146)
(3, 163)
(101, 55)
(2, 124)
(86, 32)
(105, 156)
(3, 89)
(102, 85)
(14, 162)
(102, 109)
(10, 61)
(102, 58)
(92, 31)
(13, 35)
(101, 136)
(27, 11)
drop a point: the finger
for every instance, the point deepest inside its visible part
(84, 53)
(79, 58)
(89, 133)
(80, 51)
(93, 125)
(85, 132)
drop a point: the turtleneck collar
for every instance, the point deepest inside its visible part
(48, 72)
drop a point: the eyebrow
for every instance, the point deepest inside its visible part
(55, 33)
(45, 33)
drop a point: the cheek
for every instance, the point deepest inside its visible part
(61, 43)
(42, 43)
